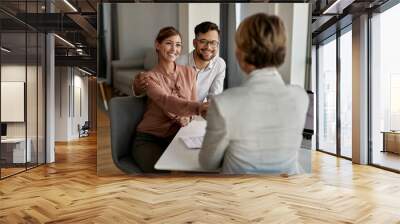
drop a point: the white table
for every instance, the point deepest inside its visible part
(19, 155)
(177, 157)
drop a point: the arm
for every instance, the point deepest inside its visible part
(194, 87)
(216, 139)
(172, 104)
(183, 121)
(217, 86)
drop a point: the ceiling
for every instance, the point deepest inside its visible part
(74, 22)
(332, 15)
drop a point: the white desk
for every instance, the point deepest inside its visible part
(18, 149)
(177, 157)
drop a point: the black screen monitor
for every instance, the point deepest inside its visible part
(3, 129)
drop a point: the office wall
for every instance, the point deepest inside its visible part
(296, 20)
(71, 102)
(33, 126)
(138, 25)
(17, 73)
(190, 15)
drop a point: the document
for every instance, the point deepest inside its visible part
(193, 142)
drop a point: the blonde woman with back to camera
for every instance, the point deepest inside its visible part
(257, 127)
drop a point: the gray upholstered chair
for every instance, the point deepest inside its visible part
(125, 70)
(125, 115)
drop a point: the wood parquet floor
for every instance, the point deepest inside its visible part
(70, 192)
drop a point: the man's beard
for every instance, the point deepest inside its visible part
(202, 57)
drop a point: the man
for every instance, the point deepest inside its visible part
(210, 68)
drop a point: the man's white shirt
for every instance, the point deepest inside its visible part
(210, 80)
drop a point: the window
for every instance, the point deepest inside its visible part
(346, 94)
(385, 87)
(327, 97)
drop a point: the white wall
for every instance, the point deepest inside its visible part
(70, 84)
(61, 103)
(314, 89)
(298, 50)
(296, 20)
(138, 25)
(33, 105)
(81, 103)
(15, 72)
(198, 13)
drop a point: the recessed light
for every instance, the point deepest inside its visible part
(64, 40)
(70, 5)
(84, 71)
(5, 50)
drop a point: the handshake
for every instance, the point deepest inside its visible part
(203, 109)
(144, 81)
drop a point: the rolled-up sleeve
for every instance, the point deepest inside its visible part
(215, 140)
(171, 104)
(217, 85)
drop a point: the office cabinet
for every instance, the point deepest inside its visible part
(391, 141)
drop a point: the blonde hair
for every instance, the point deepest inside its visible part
(262, 39)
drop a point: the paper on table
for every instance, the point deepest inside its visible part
(193, 142)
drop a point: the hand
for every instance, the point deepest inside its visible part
(203, 109)
(183, 121)
(141, 82)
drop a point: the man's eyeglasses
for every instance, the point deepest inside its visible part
(213, 43)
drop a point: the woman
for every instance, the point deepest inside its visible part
(171, 91)
(257, 127)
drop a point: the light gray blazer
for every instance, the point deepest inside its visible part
(256, 127)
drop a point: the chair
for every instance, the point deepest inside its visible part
(125, 115)
(124, 70)
(84, 129)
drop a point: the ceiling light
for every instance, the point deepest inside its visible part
(70, 5)
(337, 7)
(5, 50)
(84, 71)
(65, 41)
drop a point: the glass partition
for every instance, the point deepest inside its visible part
(41, 96)
(346, 94)
(31, 98)
(385, 89)
(22, 87)
(13, 92)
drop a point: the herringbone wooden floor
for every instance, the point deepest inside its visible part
(70, 192)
